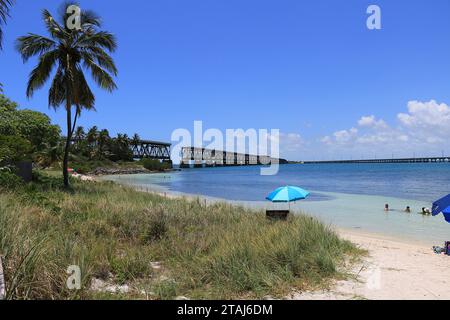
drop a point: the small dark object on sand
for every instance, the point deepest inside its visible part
(277, 214)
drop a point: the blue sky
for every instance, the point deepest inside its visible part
(309, 68)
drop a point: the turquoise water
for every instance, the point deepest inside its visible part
(349, 196)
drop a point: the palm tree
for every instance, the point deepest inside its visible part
(91, 138)
(72, 52)
(123, 141)
(50, 154)
(79, 138)
(92, 134)
(135, 140)
(79, 134)
(103, 139)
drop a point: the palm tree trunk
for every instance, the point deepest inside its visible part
(66, 149)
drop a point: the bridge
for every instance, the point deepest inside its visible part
(150, 149)
(146, 149)
(399, 160)
(214, 158)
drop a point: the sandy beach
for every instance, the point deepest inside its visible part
(394, 270)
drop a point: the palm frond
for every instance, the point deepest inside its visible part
(89, 19)
(33, 44)
(100, 75)
(84, 98)
(42, 72)
(101, 39)
(5, 7)
(57, 93)
(102, 58)
(53, 27)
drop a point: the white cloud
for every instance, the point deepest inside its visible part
(429, 115)
(345, 136)
(372, 122)
(424, 128)
(427, 121)
(290, 142)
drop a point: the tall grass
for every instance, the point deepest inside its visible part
(114, 233)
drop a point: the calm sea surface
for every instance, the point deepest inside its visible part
(344, 195)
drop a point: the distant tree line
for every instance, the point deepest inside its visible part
(97, 144)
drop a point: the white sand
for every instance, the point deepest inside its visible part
(394, 270)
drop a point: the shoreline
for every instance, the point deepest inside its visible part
(100, 172)
(162, 191)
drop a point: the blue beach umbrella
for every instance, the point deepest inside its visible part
(442, 205)
(446, 213)
(287, 194)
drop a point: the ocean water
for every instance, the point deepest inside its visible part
(350, 196)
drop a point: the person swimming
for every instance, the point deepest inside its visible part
(426, 211)
(408, 209)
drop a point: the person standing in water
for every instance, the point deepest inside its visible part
(386, 207)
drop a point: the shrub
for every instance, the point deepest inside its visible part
(166, 290)
(151, 164)
(130, 266)
(13, 149)
(9, 180)
(157, 225)
(46, 182)
(33, 126)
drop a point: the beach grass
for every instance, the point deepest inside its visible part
(158, 247)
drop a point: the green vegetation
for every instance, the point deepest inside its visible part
(155, 165)
(26, 135)
(9, 180)
(97, 145)
(116, 234)
(85, 166)
(30, 135)
(71, 52)
(33, 126)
